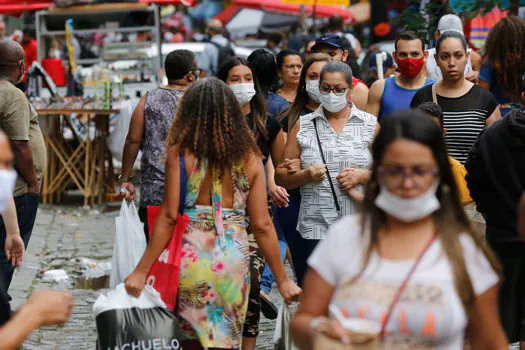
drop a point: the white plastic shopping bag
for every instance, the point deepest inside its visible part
(130, 243)
(282, 337)
(126, 322)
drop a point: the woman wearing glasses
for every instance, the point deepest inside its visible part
(148, 130)
(410, 264)
(327, 156)
(289, 65)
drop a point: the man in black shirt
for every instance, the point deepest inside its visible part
(496, 180)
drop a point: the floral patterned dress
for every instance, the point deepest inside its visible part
(215, 265)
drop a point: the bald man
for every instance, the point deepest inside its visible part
(19, 121)
(209, 60)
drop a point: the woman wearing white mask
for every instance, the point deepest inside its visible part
(410, 264)
(327, 155)
(238, 74)
(306, 102)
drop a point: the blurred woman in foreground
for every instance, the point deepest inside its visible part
(410, 265)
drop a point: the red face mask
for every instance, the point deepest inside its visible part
(410, 67)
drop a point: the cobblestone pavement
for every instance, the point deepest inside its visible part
(62, 237)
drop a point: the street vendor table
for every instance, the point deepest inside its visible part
(83, 161)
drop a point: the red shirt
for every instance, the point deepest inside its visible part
(355, 81)
(31, 52)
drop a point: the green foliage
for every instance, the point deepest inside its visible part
(424, 22)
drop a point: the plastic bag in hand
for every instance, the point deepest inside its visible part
(282, 337)
(130, 243)
(126, 322)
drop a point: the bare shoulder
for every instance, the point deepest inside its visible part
(361, 87)
(377, 88)
(252, 165)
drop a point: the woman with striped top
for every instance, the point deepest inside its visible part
(467, 108)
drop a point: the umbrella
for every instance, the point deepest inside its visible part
(249, 21)
(278, 6)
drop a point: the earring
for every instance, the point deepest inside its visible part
(445, 188)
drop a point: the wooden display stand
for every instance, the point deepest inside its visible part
(88, 165)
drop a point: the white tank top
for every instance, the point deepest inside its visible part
(433, 70)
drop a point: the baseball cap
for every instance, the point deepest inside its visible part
(329, 39)
(450, 23)
(372, 63)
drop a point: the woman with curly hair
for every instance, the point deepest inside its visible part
(210, 137)
(240, 76)
(503, 62)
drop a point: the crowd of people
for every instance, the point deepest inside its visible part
(288, 156)
(366, 197)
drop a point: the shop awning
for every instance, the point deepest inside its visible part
(278, 6)
(15, 7)
(189, 3)
(225, 15)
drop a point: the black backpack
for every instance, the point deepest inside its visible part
(225, 52)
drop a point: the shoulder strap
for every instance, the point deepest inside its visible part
(332, 188)
(183, 184)
(403, 285)
(228, 45)
(434, 94)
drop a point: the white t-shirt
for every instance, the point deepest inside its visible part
(433, 70)
(429, 314)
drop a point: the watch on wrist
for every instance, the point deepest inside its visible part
(122, 179)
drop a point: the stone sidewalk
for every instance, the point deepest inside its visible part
(62, 238)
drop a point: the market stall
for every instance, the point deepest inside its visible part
(78, 155)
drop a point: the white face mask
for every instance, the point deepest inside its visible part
(333, 103)
(243, 92)
(7, 187)
(312, 88)
(408, 210)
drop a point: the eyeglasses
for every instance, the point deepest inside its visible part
(338, 91)
(395, 178)
(196, 71)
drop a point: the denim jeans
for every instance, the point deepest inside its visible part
(268, 278)
(26, 209)
(300, 248)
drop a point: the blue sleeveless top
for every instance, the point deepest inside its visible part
(396, 97)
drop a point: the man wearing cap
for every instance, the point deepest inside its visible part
(452, 23)
(333, 46)
(388, 67)
(208, 61)
(394, 93)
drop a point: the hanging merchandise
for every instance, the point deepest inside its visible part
(480, 26)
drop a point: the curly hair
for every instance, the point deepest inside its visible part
(209, 124)
(505, 52)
